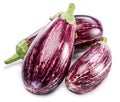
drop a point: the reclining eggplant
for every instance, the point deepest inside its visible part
(90, 69)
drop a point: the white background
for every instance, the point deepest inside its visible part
(20, 18)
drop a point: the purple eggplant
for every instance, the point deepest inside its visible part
(89, 30)
(48, 58)
(89, 70)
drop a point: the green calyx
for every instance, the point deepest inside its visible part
(68, 15)
(21, 49)
(103, 40)
(56, 15)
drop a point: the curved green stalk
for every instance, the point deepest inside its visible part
(21, 50)
(68, 15)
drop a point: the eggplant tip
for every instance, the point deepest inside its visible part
(5, 62)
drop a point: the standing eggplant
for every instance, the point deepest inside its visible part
(49, 56)
(88, 30)
(89, 70)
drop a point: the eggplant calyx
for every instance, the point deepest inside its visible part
(56, 15)
(21, 49)
(68, 15)
(104, 39)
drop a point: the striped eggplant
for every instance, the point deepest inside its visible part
(49, 56)
(89, 70)
(88, 30)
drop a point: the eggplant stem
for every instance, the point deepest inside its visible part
(21, 49)
(104, 39)
(56, 15)
(68, 15)
(13, 58)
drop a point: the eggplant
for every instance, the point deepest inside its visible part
(48, 58)
(88, 31)
(90, 70)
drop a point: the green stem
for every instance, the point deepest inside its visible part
(13, 58)
(56, 15)
(68, 15)
(21, 49)
(70, 9)
(104, 39)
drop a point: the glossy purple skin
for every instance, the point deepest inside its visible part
(89, 30)
(89, 70)
(30, 38)
(49, 57)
